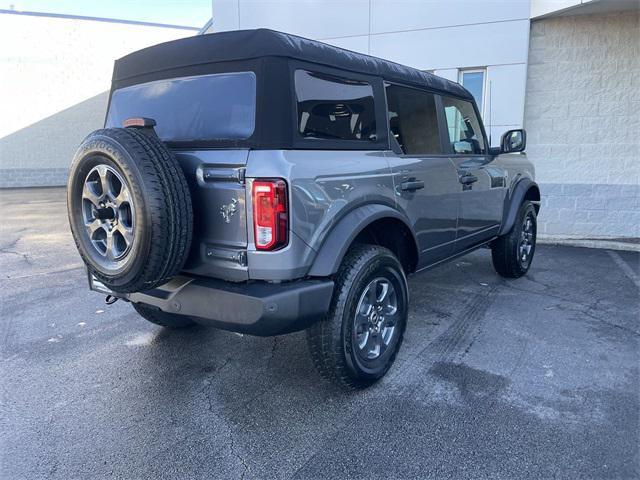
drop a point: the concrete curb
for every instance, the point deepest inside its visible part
(630, 245)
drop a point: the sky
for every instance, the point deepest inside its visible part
(192, 13)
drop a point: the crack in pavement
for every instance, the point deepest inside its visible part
(25, 256)
(232, 448)
(211, 409)
(574, 306)
(41, 274)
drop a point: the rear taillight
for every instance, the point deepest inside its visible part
(270, 214)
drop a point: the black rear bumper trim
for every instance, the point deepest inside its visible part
(257, 308)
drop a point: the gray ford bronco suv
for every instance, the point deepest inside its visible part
(265, 183)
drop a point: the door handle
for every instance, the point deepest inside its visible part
(411, 185)
(468, 179)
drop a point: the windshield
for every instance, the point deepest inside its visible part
(208, 107)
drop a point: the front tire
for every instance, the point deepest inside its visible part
(512, 253)
(356, 344)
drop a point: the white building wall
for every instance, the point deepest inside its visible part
(441, 36)
(545, 7)
(582, 115)
(54, 77)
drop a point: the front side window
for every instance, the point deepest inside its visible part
(413, 120)
(334, 108)
(465, 133)
(207, 107)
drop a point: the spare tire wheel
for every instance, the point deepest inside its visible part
(129, 209)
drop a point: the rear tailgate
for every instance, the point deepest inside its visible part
(216, 180)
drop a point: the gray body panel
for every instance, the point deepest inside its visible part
(481, 202)
(324, 186)
(432, 210)
(216, 179)
(341, 192)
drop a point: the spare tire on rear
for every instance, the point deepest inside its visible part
(129, 209)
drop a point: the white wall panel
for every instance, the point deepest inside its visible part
(308, 18)
(398, 15)
(54, 77)
(507, 86)
(225, 16)
(357, 44)
(543, 7)
(448, 73)
(454, 47)
(55, 63)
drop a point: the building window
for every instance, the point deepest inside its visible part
(474, 81)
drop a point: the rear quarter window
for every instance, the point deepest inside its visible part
(334, 108)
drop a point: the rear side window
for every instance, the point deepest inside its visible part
(465, 133)
(208, 107)
(413, 120)
(334, 108)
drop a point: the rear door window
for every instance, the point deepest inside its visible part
(334, 108)
(413, 120)
(465, 132)
(207, 107)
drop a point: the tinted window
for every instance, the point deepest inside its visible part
(413, 120)
(465, 133)
(334, 108)
(207, 107)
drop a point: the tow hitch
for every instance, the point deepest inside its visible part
(110, 299)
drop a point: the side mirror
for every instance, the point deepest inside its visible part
(513, 141)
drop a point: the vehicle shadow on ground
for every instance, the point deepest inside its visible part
(230, 372)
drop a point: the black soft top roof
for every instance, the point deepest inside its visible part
(253, 44)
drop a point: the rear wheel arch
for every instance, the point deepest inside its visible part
(373, 224)
(394, 234)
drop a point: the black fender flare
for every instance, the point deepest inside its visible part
(514, 199)
(337, 242)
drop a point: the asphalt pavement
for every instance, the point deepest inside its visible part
(530, 378)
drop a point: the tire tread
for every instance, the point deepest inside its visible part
(504, 253)
(167, 198)
(324, 338)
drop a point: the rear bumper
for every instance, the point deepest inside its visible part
(257, 308)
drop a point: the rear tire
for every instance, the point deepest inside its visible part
(356, 344)
(512, 253)
(164, 319)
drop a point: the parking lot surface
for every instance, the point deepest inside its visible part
(531, 378)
